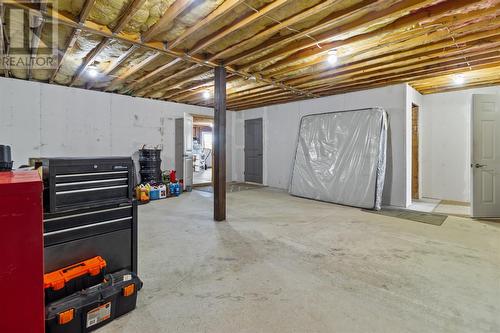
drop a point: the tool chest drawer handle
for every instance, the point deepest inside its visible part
(91, 189)
(91, 182)
(87, 226)
(91, 174)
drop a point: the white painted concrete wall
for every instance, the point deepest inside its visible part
(281, 123)
(39, 119)
(446, 143)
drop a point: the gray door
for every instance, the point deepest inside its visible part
(253, 150)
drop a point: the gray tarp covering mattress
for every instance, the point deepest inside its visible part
(341, 158)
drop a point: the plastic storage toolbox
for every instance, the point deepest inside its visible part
(72, 183)
(94, 307)
(68, 280)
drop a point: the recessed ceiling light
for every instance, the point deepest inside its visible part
(459, 79)
(206, 94)
(332, 57)
(92, 73)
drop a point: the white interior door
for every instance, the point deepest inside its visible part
(486, 156)
(188, 151)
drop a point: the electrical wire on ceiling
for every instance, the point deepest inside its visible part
(279, 22)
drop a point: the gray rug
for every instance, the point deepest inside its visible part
(231, 187)
(422, 217)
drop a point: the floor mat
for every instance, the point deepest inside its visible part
(231, 187)
(423, 217)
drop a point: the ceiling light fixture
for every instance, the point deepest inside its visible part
(459, 79)
(206, 94)
(332, 57)
(93, 73)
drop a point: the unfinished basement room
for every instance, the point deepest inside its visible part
(259, 166)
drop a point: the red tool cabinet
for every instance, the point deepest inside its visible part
(21, 252)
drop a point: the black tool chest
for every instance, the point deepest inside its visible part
(89, 212)
(71, 183)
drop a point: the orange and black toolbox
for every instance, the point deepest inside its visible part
(66, 281)
(94, 307)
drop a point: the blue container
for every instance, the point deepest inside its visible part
(154, 194)
(177, 189)
(172, 188)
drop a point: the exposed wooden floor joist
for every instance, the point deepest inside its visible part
(277, 51)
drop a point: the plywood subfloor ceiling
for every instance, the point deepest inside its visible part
(274, 51)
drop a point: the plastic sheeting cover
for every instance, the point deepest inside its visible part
(341, 158)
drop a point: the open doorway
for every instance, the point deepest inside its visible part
(202, 150)
(415, 159)
(432, 192)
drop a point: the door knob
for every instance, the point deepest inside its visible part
(477, 165)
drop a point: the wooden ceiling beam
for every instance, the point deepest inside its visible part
(3, 41)
(204, 44)
(150, 88)
(475, 39)
(419, 37)
(115, 64)
(128, 14)
(75, 34)
(436, 66)
(413, 60)
(167, 18)
(219, 12)
(157, 71)
(323, 24)
(131, 71)
(479, 84)
(122, 23)
(266, 102)
(89, 59)
(181, 83)
(456, 66)
(196, 89)
(452, 68)
(39, 22)
(270, 31)
(101, 30)
(294, 52)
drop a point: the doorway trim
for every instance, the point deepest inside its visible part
(209, 119)
(415, 153)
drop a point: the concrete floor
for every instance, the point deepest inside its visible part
(285, 264)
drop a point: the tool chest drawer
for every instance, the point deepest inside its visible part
(71, 183)
(108, 231)
(81, 217)
(115, 247)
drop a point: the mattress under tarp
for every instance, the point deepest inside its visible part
(341, 158)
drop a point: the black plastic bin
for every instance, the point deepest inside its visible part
(92, 308)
